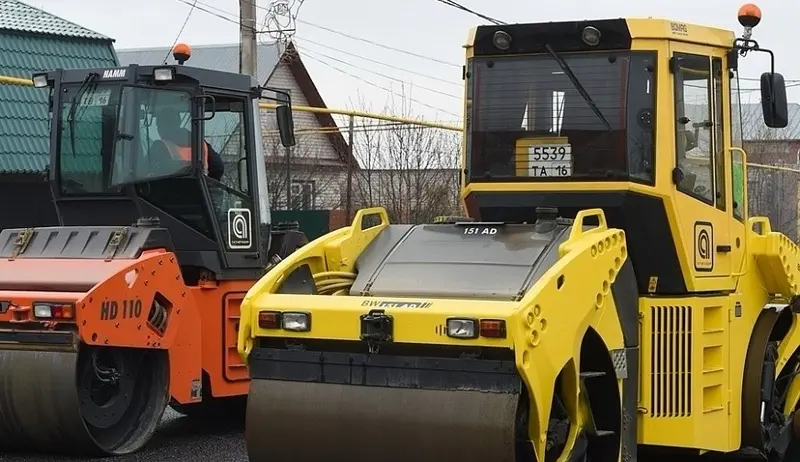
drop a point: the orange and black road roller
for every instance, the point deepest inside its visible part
(132, 303)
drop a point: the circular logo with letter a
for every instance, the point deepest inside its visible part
(703, 246)
(240, 229)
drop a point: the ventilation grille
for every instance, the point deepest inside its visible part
(671, 361)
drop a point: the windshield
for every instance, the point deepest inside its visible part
(531, 121)
(154, 135)
(87, 122)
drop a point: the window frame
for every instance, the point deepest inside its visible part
(191, 100)
(718, 135)
(679, 97)
(312, 184)
(66, 92)
(473, 117)
(737, 128)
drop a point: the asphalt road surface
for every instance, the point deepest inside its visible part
(177, 439)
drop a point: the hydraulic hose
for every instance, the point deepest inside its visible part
(334, 282)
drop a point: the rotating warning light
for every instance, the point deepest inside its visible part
(181, 52)
(749, 15)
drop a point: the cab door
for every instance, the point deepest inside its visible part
(700, 174)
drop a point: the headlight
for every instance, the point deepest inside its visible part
(42, 311)
(39, 80)
(501, 40)
(163, 74)
(462, 328)
(296, 322)
(590, 36)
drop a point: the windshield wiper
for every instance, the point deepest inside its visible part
(73, 107)
(577, 84)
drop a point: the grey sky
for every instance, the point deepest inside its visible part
(424, 27)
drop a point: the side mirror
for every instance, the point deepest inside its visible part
(286, 124)
(773, 100)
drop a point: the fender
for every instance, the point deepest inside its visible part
(757, 350)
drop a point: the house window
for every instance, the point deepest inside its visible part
(303, 195)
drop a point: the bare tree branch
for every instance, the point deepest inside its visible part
(411, 170)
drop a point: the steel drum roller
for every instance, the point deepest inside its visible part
(348, 423)
(54, 402)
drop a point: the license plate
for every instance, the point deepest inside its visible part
(550, 160)
(98, 97)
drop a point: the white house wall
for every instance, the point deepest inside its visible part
(312, 149)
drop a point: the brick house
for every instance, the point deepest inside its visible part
(33, 40)
(318, 161)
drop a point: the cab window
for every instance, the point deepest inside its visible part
(154, 135)
(693, 126)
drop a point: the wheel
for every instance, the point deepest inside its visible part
(765, 428)
(123, 393)
(97, 401)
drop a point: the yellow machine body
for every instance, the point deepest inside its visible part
(579, 314)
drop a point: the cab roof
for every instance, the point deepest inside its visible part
(621, 30)
(135, 73)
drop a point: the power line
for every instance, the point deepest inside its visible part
(316, 59)
(177, 37)
(381, 45)
(461, 7)
(432, 90)
(196, 4)
(333, 31)
(381, 63)
(376, 85)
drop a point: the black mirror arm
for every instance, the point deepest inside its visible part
(259, 93)
(745, 45)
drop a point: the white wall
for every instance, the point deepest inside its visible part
(314, 151)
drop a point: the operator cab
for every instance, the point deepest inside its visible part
(639, 117)
(175, 142)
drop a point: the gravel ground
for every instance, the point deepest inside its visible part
(178, 439)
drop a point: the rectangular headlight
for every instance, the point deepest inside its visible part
(295, 321)
(42, 310)
(462, 328)
(39, 80)
(163, 74)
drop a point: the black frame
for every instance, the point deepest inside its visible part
(194, 249)
(468, 74)
(692, 59)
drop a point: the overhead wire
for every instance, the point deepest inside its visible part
(177, 37)
(461, 7)
(432, 90)
(219, 13)
(380, 63)
(373, 84)
(209, 9)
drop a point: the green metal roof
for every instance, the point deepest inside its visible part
(24, 123)
(21, 17)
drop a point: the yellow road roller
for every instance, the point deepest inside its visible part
(607, 299)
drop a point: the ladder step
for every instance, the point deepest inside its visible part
(590, 375)
(604, 433)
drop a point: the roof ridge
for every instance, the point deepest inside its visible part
(36, 27)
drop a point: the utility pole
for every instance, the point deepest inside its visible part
(349, 197)
(247, 37)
